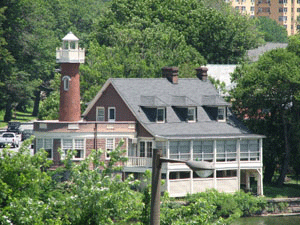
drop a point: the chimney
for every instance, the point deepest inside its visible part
(171, 73)
(201, 73)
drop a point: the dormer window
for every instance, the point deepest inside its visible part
(191, 114)
(66, 82)
(221, 114)
(160, 115)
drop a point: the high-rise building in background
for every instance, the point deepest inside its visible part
(284, 12)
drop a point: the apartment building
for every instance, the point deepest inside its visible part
(284, 12)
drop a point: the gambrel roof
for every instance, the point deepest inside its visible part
(139, 94)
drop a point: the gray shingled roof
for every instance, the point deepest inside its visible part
(138, 93)
(254, 54)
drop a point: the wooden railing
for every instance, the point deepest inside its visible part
(139, 162)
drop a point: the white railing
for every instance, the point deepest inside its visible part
(139, 162)
(70, 55)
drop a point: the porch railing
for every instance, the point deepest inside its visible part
(139, 162)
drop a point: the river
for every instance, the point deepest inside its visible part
(268, 220)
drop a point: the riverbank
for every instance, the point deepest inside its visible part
(282, 207)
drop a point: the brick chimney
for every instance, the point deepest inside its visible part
(201, 73)
(171, 73)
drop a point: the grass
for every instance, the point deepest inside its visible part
(19, 116)
(288, 190)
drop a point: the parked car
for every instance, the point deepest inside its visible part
(14, 127)
(9, 138)
(26, 134)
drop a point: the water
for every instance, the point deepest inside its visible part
(269, 220)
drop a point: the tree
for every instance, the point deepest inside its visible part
(267, 92)
(214, 29)
(272, 31)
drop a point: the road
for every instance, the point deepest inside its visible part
(17, 149)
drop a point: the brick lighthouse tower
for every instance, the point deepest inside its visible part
(70, 56)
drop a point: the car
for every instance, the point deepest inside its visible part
(26, 134)
(14, 127)
(9, 138)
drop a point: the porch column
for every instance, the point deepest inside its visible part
(214, 161)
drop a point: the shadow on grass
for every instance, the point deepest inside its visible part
(287, 190)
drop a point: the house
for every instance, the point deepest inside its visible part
(186, 118)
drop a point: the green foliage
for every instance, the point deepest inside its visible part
(49, 108)
(90, 192)
(267, 93)
(232, 205)
(272, 31)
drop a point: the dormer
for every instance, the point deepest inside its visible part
(215, 107)
(185, 108)
(70, 51)
(154, 108)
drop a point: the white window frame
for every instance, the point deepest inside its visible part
(109, 146)
(41, 144)
(249, 153)
(224, 153)
(109, 114)
(148, 149)
(193, 114)
(100, 117)
(164, 115)
(66, 82)
(73, 146)
(221, 112)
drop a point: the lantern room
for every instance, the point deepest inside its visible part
(70, 51)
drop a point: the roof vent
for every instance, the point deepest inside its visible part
(171, 73)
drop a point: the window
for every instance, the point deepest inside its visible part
(226, 173)
(110, 146)
(226, 151)
(237, 8)
(111, 114)
(66, 82)
(298, 9)
(298, 1)
(283, 1)
(282, 18)
(203, 151)
(191, 114)
(221, 114)
(73, 144)
(146, 149)
(160, 115)
(283, 9)
(100, 113)
(249, 150)
(180, 150)
(46, 144)
(252, 8)
(243, 9)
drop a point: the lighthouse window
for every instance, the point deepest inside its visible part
(66, 82)
(72, 45)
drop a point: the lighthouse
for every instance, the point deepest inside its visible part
(70, 56)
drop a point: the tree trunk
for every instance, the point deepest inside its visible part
(284, 168)
(269, 171)
(8, 113)
(35, 111)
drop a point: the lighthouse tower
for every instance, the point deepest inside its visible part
(70, 56)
